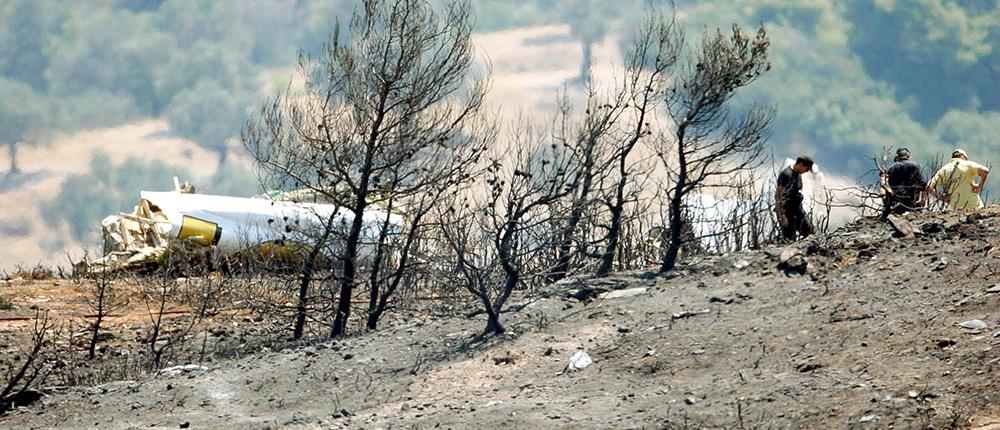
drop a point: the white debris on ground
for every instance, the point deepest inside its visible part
(579, 361)
(177, 370)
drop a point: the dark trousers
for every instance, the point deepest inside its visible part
(798, 223)
(900, 204)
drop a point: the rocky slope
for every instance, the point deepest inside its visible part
(857, 329)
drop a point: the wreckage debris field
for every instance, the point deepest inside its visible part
(862, 328)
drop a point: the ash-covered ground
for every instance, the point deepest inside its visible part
(856, 329)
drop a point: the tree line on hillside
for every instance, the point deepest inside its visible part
(842, 82)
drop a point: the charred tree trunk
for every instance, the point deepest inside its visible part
(350, 259)
(92, 348)
(565, 250)
(397, 277)
(493, 324)
(512, 273)
(615, 229)
(307, 272)
(676, 206)
(373, 278)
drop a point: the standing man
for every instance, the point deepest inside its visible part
(906, 181)
(955, 183)
(788, 200)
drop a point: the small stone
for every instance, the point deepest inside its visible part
(741, 264)
(792, 262)
(579, 361)
(619, 294)
(973, 324)
(913, 394)
(994, 289)
(690, 400)
(185, 425)
(623, 329)
(868, 418)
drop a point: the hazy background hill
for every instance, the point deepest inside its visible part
(102, 98)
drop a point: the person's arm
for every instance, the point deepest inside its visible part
(983, 172)
(934, 192)
(932, 188)
(921, 185)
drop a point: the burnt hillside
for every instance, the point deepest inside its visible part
(856, 329)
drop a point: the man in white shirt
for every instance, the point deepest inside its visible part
(955, 183)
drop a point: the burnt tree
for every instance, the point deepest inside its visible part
(385, 119)
(497, 237)
(706, 144)
(647, 65)
(104, 297)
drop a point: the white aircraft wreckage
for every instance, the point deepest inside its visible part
(228, 226)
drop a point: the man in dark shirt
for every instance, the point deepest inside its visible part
(907, 183)
(788, 200)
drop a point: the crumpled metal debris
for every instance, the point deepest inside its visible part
(228, 225)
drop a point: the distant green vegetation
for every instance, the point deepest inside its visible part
(68, 65)
(847, 79)
(106, 189)
(851, 77)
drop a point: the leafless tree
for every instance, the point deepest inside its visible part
(497, 236)
(310, 264)
(653, 55)
(706, 144)
(21, 376)
(103, 298)
(588, 144)
(385, 119)
(602, 145)
(161, 291)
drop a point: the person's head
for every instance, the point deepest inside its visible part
(902, 154)
(959, 153)
(803, 164)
